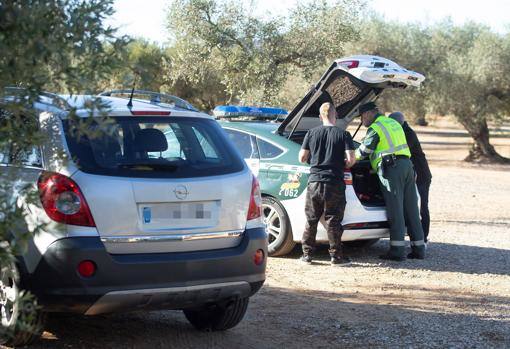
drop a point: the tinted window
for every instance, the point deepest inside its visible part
(244, 143)
(268, 150)
(153, 147)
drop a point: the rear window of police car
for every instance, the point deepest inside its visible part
(152, 147)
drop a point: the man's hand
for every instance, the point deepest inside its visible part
(350, 159)
(304, 155)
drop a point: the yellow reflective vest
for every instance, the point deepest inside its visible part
(392, 140)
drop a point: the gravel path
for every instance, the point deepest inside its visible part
(459, 297)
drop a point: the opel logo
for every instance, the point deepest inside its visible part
(181, 192)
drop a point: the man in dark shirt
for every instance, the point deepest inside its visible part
(421, 167)
(326, 148)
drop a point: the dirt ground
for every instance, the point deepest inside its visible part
(459, 297)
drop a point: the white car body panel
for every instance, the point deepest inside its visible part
(369, 71)
(355, 212)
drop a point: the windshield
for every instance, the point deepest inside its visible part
(170, 147)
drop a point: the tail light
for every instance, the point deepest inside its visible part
(348, 177)
(349, 64)
(63, 201)
(255, 208)
(86, 268)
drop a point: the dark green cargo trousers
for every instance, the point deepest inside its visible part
(401, 207)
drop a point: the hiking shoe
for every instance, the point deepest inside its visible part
(340, 262)
(390, 257)
(414, 255)
(307, 259)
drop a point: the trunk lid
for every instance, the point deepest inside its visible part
(347, 83)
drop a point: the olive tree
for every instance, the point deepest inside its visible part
(471, 81)
(250, 57)
(142, 66)
(45, 45)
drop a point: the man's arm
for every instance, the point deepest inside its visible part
(350, 158)
(304, 152)
(304, 155)
(368, 145)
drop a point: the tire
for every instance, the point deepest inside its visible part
(218, 317)
(360, 243)
(22, 322)
(278, 229)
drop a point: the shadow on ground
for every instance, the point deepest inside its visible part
(440, 257)
(299, 319)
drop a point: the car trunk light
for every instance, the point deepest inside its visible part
(349, 64)
(87, 268)
(258, 257)
(355, 226)
(347, 177)
(255, 208)
(150, 113)
(63, 200)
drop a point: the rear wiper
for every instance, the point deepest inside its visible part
(148, 166)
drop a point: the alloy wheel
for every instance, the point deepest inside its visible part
(272, 222)
(9, 295)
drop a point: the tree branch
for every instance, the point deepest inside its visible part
(216, 27)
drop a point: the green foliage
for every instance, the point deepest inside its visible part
(466, 69)
(250, 58)
(143, 64)
(471, 81)
(46, 45)
(55, 45)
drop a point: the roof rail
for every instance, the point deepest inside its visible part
(154, 97)
(55, 100)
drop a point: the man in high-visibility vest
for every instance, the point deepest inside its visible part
(386, 147)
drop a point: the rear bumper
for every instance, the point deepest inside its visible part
(365, 234)
(138, 281)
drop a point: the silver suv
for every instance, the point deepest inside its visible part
(156, 211)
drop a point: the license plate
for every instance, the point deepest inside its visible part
(179, 212)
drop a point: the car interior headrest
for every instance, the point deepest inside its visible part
(150, 140)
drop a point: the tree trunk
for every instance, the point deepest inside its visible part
(481, 150)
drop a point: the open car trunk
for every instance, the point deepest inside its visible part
(366, 184)
(347, 84)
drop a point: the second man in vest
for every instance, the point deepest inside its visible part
(386, 147)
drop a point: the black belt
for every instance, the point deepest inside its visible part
(396, 156)
(402, 156)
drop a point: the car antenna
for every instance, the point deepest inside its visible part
(130, 103)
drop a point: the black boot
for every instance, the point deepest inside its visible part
(417, 252)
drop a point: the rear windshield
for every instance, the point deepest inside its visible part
(169, 147)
